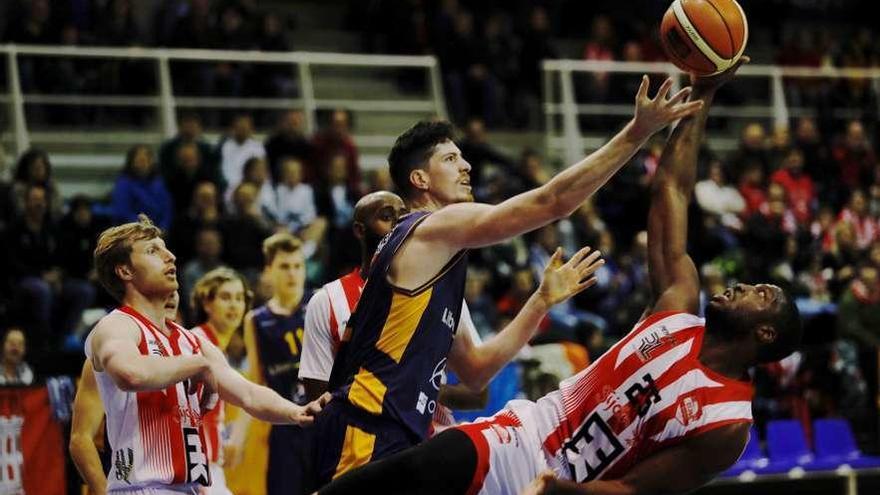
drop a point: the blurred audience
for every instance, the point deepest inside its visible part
(15, 370)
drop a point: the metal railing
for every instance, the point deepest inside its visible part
(559, 97)
(167, 102)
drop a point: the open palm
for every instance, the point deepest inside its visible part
(564, 280)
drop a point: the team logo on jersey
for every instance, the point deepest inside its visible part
(158, 348)
(688, 411)
(123, 464)
(196, 459)
(449, 319)
(650, 345)
(438, 375)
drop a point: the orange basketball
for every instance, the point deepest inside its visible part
(704, 36)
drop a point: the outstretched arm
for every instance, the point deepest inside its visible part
(675, 282)
(476, 365)
(558, 198)
(256, 400)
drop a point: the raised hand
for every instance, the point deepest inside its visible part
(653, 114)
(564, 280)
(714, 82)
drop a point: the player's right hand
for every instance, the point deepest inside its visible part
(653, 114)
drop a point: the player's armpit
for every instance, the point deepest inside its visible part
(694, 463)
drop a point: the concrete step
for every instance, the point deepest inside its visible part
(392, 123)
(354, 86)
(321, 39)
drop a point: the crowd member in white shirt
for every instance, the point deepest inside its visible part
(296, 205)
(236, 149)
(716, 197)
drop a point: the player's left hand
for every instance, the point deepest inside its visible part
(541, 484)
(305, 415)
(564, 280)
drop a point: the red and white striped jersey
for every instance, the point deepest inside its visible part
(157, 437)
(326, 317)
(648, 392)
(213, 420)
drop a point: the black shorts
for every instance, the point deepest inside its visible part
(347, 437)
(290, 470)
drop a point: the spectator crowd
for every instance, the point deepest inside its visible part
(798, 206)
(490, 53)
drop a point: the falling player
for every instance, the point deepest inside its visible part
(665, 410)
(386, 377)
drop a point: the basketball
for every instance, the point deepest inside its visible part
(704, 36)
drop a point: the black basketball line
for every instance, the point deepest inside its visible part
(705, 39)
(733, 49)
(696, 48)
(682, 61)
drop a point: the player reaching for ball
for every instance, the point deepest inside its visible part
(386, 375)
(665, 410)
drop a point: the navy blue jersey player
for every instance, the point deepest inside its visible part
(273, 338)
(401, 335)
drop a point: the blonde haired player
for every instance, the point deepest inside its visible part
(155, 378)
(221, 298)
(87, 439)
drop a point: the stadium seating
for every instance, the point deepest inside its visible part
(835, 446)
(786, 447)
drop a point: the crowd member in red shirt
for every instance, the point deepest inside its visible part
(856, 213)
(798, 185)
(751, 187)
(335, 140)
(854, 157)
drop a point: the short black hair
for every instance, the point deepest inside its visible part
(789, 331)
(413, 148)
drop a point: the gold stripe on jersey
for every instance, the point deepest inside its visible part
(357, 449)
(403, 319)
(367, 392)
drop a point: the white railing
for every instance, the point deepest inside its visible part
(559, 97)
(167, 102)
